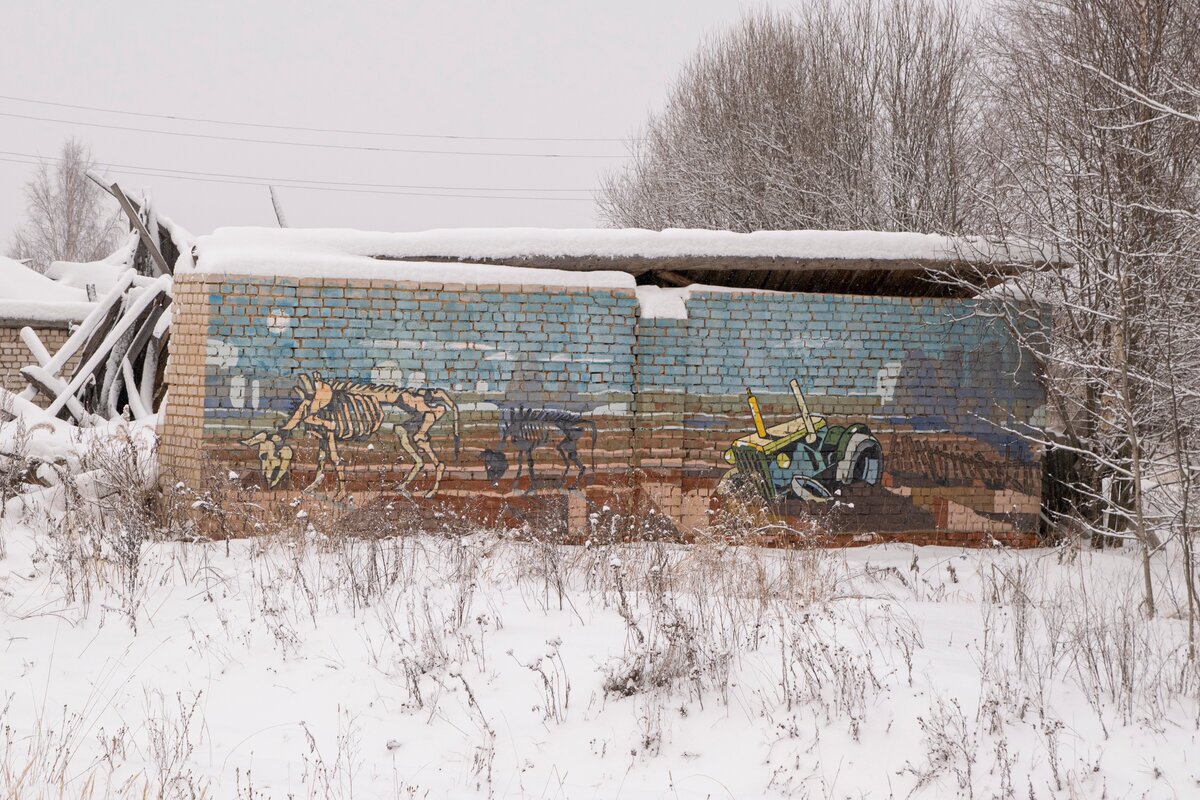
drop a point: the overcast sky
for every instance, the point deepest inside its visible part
(553, 69)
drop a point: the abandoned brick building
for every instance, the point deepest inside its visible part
(48, 308)
(505, 377)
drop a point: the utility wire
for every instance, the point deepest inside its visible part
(207, 121)
(320, 145)
(268, 181)
(235, 182)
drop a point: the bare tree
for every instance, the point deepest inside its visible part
(1083, 161)
(68, 219)
(837, 116)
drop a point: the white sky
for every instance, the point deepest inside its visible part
(558, 68)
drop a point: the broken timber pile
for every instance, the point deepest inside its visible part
(120, 349)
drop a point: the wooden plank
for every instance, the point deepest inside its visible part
(118, 330)
(99, 334)
(673, 278)
(160, 372)
(152, 246)
(132, 392)
(149, 321)
(36, 349)
(637, 265)
(51, 386)
(83, 334)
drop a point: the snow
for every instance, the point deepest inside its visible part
(61, 449)
(312, 253)
(500, 243)
(299, 257)
(656, 302)
(309, 664)
(102, 274)
(31, 296)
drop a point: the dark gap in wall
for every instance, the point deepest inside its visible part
(867, 277)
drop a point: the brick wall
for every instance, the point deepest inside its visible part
(14, 355)
(933, 394)
(911, 413)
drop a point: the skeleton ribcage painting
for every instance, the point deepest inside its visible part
(355, 411)
(348, 411)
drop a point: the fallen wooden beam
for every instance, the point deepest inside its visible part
(160, 263)
(36, 349)
(51, 387)
(138, 410)
(85, 330)
(131, 315)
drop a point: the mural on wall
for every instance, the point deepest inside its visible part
(346, 411)
(919, 405)
(804, 457)
(524, 430)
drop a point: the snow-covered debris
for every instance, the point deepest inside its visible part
(124, 333)
(40, 454)
(31, 296)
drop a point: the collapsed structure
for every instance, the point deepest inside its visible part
(555, 377)
(33, 308)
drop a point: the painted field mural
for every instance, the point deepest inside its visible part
(555, 408)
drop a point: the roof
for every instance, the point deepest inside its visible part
(860, 262)
(101, 275)
(28, 297)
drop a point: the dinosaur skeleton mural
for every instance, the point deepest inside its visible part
(526, 430)
(347, 411)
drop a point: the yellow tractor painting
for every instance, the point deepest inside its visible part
(805, 457)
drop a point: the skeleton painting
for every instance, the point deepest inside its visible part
(347, 411)
(524, 430)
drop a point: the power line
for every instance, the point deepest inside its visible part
(321, 145)
(179, 118)
(235, 182)
(277, 181)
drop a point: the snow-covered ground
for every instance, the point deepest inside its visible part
(311, 665)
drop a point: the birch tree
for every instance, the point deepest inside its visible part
(68, 217)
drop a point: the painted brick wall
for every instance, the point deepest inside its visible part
(912, 413)
(941, 392)
(14, 355)
(241, 346)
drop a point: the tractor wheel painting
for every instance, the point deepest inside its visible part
(804, 457)
(345, 411)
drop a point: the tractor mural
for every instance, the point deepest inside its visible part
(804, 457)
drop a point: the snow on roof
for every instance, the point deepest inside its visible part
(329, 253)
(219, 248)
(102, 274)
(26, 295)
